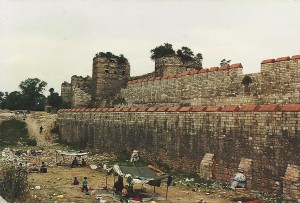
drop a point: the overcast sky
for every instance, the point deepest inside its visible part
(53, 40)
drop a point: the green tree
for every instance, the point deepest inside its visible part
(54, 99)
(41, 102)
(162, 50)
(12, 101)
(199, 57)
(120, 59)
(225, 62)
(185, 54)
(32, 89)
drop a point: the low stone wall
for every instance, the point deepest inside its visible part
(262, 140)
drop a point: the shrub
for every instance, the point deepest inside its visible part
(14, 185)
(12, 131)
(31, 142)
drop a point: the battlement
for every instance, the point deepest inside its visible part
(286, 58)
(193, 72)
(246, 108)
(173, 83)
(278, 82)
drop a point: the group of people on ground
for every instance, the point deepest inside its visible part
(35, 169)
(75, 163)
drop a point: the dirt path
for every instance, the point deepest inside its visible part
(34, 121)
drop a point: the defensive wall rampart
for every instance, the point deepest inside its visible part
(278, 82)
(213, 141)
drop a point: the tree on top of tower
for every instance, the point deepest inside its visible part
(187, 57)
(162, 50)
(120, 59)
(225, 62)
(185, 54)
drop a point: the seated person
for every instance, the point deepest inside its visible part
(43, 168)
(83, 163)
(119, 185)
(74, 162)
(135, 156)
(34, 169)
(239, 180)
(75, 181)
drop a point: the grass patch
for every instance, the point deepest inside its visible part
(13, 131)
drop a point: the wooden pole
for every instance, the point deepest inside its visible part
(106, 181)
(167, 192)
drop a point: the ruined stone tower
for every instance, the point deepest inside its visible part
(108, 77)
(66, 92)
(168, 65)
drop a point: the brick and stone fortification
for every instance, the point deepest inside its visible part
(108, 77)
(277, 83)
(213, 141)
(211, 121)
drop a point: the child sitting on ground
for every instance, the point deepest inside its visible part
(75, 182)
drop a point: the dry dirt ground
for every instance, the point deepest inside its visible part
(58, 180)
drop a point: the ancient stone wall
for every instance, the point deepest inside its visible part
(262, 140)
(197, 87)
(277, 83)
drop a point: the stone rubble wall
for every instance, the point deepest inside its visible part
(262, 140)
(80, 98)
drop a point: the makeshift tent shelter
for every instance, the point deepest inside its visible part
(140, 174)
(67, 155)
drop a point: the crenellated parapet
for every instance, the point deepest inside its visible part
(280, 76)
(278, 82)
(196, 87)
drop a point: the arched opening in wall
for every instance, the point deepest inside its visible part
(123, 72)
(247, 80)
(115, 72)
(106, 71)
